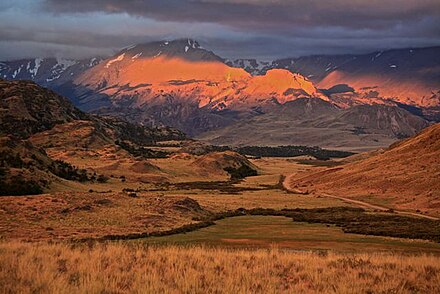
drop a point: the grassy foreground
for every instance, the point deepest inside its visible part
(122, 268)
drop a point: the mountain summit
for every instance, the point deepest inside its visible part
(187, 49)
(181, 84)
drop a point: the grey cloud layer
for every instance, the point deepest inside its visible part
(232, 28)
(358, 14)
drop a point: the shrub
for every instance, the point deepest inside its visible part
(242, 172)
(291, 151)
(11, 160)
(102, 179)
(140, 151)
(67, 171)
(18, 186)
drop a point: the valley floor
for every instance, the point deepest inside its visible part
(48, 242)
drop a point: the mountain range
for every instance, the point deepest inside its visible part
(408, 76)
(351, 102)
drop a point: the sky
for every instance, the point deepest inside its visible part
(260, 29)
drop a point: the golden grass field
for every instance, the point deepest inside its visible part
(135, 268)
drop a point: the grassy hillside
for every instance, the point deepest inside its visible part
(404, 176)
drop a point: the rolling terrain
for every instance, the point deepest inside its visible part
(315, 122)
(34, 121)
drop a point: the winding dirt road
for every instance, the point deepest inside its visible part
(287, 185)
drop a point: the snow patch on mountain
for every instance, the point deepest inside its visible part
(65, 63)
(92, 62)
(34, 71)
(117, 59)
(193, 44)
(53, 78)
(137, 56)
(252, 66)
(59, 68)
(17, 71)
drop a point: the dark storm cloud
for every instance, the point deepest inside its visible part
(265, 15)
(276, 28)
(231, 28)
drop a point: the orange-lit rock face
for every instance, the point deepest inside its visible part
(162, 70)
(204, 82)
(280, 84)
(408, 90)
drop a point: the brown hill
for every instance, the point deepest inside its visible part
(406, 175)
(230, 162)
(26, 169)
(26, 108)
(144, 167)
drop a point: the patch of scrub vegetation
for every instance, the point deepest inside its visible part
(241, 172)
(268, 151)
(292, 151)
(18, 173)
(69, 172)
(136, 268)
(16, 185)
(141, 151)
(224, 187)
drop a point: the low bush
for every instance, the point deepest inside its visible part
(240, 173)
(17, 186)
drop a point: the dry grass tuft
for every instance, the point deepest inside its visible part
(122, 268)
